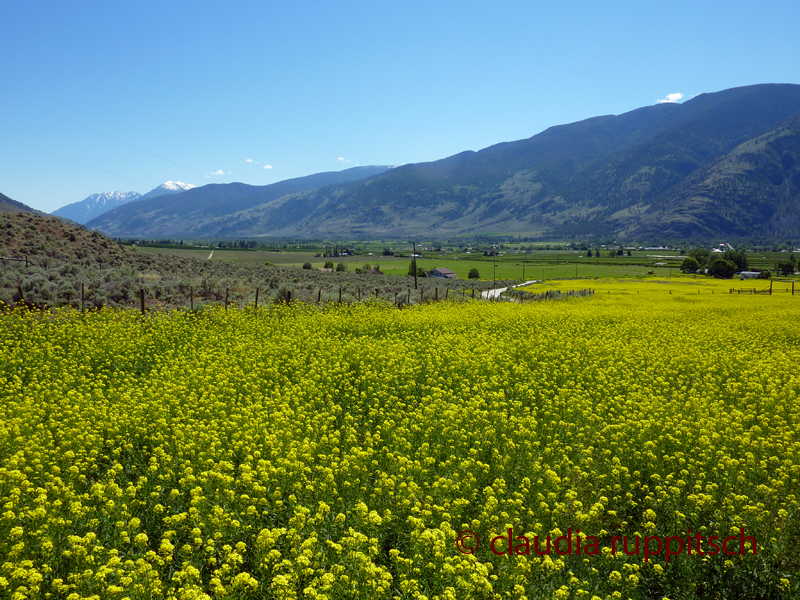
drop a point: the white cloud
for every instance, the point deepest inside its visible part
(344, 159)
(267, 166)
(670, 98)
(220, 172)
(250, 160)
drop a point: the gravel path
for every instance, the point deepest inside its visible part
(495, 293)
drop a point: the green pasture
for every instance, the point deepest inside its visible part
(537, 265)
(510, 264)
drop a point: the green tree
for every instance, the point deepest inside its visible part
(328, 264)
(786, 267)
(411, 267)
(473, 274)
(341, 268)
(737, 258)
(420, 270)
(722, 269)
(589, 254)
(689, 265)
(700, 255)
(307, 265)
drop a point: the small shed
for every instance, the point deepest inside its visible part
(749, 275)
(442, 273)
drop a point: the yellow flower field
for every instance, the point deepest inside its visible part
(294, 452)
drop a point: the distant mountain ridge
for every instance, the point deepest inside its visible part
(94, 206)
(720, 164)
(98, 204)
(182, 213)
(168, 187)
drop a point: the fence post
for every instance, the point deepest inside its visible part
(340, 294)
(436, 294)
(256, 297)
(319, 295)
(409, 296)
(226, 298)
(288, 296)
(191, 299)
(422, 295)
(26, 261)
(376, 293)
(141, 298)
(770, 287)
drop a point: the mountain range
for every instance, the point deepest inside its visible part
(182, 215)
(97, 204)
(719, 164)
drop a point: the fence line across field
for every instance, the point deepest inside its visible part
(401, 300)
(547, 295)
(767, 291)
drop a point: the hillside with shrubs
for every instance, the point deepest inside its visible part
(61, 257)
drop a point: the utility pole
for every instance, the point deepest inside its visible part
(415, 264)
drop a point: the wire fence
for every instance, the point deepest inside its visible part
(255, 299)
(781, 287)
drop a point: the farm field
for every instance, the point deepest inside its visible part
(547, 265)
(294, 452)
(679, 285)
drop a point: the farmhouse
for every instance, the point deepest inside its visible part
(442, 273)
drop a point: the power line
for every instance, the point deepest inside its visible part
(74, 161)
(100, 132)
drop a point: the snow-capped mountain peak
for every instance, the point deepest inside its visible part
(176, 186)
(95, 205)
(169, 187)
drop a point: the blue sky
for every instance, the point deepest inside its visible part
(190, 91)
